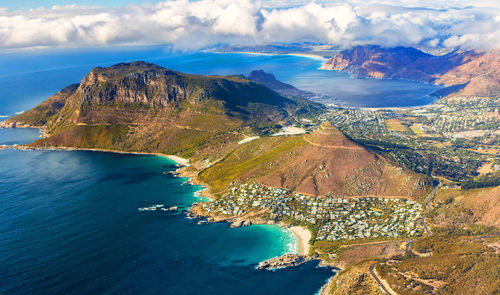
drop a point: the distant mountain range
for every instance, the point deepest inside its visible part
(467, 73)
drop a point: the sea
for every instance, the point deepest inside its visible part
(69, 220)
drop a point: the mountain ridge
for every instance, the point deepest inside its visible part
(143, 107)
(467, 73)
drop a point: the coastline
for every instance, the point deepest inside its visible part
(306, 55)
(301, 234)
(180, 161)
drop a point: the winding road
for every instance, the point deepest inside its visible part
(379, 282)
(429, 209)
(410, 243)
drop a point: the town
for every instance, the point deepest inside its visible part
(452, 138)
(329, 218)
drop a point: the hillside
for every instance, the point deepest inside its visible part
(467, 73)
(143, 107)
(461, 256)
(324, 162)
(270, 81)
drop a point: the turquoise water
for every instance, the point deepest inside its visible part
(28, 78)
(69, 224)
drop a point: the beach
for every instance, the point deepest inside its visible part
(304, 236)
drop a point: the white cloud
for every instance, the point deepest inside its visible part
(193, 25)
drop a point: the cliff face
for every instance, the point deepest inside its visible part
(143, 107)
(153, 88)
(476, 71)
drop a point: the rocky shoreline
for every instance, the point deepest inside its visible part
(283, 261)
(286, 260)
(6, 124)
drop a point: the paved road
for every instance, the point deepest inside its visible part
(410, 243)
(379, 282)
(429, 209)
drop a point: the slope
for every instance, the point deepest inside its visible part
(143, 107)
(324, 162)
(467, 73)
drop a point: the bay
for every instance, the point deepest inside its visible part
(29, 77)
(69, 224)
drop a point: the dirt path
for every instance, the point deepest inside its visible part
(334, 146)
(362, 244)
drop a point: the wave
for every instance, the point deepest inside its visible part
(291, 242)
(18, 113)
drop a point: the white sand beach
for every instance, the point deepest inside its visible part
(304, 236)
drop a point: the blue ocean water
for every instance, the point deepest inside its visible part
(29, 77)
(19, 136)
(69, 224)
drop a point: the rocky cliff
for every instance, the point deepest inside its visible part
(143, 107)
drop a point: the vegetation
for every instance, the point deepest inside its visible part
(251, 159)
(322, 163)
(456, 265)
(143, 107)
(488, 180)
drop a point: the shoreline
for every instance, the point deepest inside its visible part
(303, 236)
(306, 55)
(178, 160)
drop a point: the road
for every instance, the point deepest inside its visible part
(408, 245)
(429, 209)
(379, 282)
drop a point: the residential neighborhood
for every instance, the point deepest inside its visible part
(329, 218)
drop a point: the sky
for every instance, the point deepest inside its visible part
(192, 25)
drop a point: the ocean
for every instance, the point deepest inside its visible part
(69, 222)
(27, 78)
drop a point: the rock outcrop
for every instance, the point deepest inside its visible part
(270, 81)
(142, 107)
(283, 261)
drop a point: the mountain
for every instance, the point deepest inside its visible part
(270, 81)
(143, 107)
(467, 73)
(324, 162)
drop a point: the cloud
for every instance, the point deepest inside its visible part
(196, 24)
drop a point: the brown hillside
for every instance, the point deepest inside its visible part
(322, 163)
(466, 73)
(481, 75)
(460, 208)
